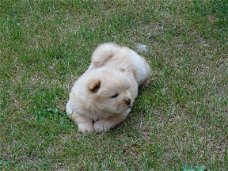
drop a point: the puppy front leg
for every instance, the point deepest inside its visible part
(85, 124)
(111, 122)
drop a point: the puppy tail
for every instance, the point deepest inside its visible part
(103, 53)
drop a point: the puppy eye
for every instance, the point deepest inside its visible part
(115, 95)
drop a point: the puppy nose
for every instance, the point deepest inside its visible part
(128, 101)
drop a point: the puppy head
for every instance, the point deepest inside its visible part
(112, 92)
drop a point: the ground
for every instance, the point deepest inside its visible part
(178, 121)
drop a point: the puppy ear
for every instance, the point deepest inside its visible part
(94, 85)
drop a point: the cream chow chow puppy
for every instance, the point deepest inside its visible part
(103, 96)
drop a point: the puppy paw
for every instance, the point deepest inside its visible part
(101, 126)
(85, 128)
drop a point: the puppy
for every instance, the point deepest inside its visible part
(103, 96)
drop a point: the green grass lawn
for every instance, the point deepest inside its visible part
(180, 120)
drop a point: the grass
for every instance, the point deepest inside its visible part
(179, 120)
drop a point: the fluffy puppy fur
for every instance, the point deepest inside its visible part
(103, 96)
